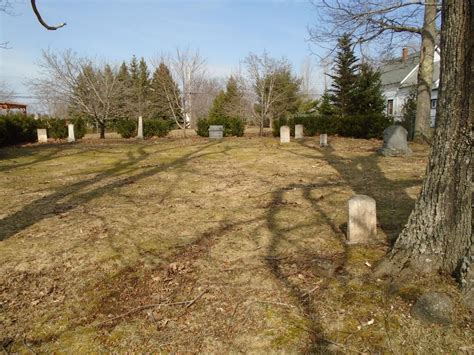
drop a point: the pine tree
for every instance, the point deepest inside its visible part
(287, 90)
(142, 86)
(368, 97)
(326, 107)
(165, 96)
(228, 103)
(124, 82)
(344, 78)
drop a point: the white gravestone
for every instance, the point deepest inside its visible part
(284, 134)
(42, 135)
(323, 140)
(362, 225)
(216, 132)
(70, 131)
(299, 131)
(140, 128)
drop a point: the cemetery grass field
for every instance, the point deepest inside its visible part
(191, 245)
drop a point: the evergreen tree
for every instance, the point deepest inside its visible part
(228, 103)
(344, 78)
(125, 83)
(142, 87)
(326, 107)
(287, 94)
(368, 94)
(165, 95)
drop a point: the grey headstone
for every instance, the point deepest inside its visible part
(395, 141)
(140, 128)
(216, 132)
(284, 134)
(362, 224)
(299, 131)
(323, 140)
(70, 131)
(42, 135)
(434, 307)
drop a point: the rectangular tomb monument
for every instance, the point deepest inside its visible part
(284, 134)
(42, 135)
(323, 140)
(299, 131)
(216, 132)
(140, 128)
(362, 223)
(70, 131)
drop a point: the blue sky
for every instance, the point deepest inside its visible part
(113, 30)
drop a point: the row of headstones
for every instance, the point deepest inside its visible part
(285, 135)
(43, 134)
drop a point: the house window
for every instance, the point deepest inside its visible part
(390, 107)
(433, 104)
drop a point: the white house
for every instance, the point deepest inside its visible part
(399, 76)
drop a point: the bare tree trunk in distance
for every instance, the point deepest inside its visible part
(102, 130)
(425, 72)
(438, 234)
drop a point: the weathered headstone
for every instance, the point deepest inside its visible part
(323, 140)
(42, 135)
(216, 132)
(140, 128)
(284, 134)
(395, 141)
(299, 131)
(70, 131)
(362, 224)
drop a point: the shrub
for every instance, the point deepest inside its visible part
(155, 128)
(57, 128)
(233, 126)
(357, 126)
(126, 128)
(16, 129)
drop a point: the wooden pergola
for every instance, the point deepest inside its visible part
(9, 106)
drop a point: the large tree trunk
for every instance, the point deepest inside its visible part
(102, 130)
(438, 235)
(425, 73)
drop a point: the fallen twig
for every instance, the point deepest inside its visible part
(313, 289)
(275, 303)
(188, 304)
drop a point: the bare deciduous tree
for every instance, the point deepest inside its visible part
(387, 23)
(262, 70)
(89, 88)
(6, 92)
(188, 69)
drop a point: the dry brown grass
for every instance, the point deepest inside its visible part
(93, 230)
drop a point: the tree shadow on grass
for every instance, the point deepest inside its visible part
(81, 193)
(364, 176)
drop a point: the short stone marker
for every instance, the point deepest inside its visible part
(42, 135)
(284, 134)
(216, 132)
(70, 132)
(299, 131)
(362, 225)
(140, 128)
(323, 140)
(395, 142)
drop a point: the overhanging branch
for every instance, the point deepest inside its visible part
(41, 21)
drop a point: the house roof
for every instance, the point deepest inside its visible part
(404, 73)
(413, 77)
(396, 70)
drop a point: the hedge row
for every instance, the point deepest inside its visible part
(152, 127)
(233, 126)
(18, 128)
(357, 126)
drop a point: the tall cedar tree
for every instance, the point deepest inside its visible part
(368, 92)
(438, 235)
(326, 107)
(142, 87)
(344, 78)
(229, 102)
(287, 95)
(124, 83)
(165, 95)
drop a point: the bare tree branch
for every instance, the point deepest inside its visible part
(41, 21)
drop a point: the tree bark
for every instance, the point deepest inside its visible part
(425, 73)
(438, 235)
(102, 130)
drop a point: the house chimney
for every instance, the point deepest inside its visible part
(404, 54)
